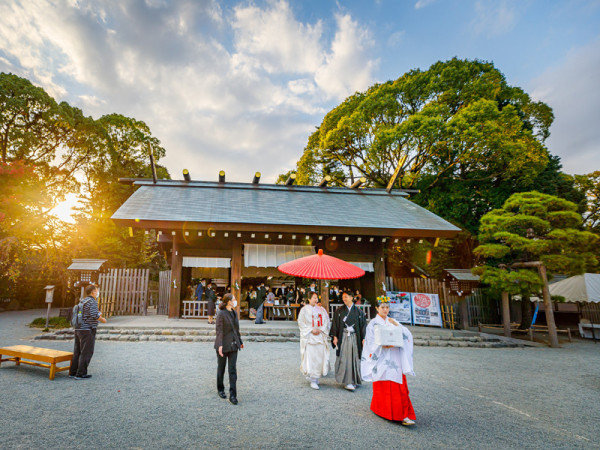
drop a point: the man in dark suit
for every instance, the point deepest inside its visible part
(261, 295)
(348, 332)
(211, 298)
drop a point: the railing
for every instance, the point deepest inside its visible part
(195, 310)
(365, 308)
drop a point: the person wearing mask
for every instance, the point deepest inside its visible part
(348, 332)
(211, 298)
(387, 366)
(228, 342)
(85, 335)
(313, 322)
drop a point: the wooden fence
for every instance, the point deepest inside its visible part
(123, 292)
(164, 289)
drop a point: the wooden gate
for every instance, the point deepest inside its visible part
(124, 292)
(164, 289)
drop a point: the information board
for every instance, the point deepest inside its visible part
(400, 309)
(426, 309)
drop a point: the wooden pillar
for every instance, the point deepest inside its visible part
(324, 294)
(506, 313)
(175, 291)
(548, 307)
(379, 267)
(236, 273)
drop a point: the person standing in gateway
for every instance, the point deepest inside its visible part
(85, 335)
(348, 330)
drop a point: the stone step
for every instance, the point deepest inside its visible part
(141, 335)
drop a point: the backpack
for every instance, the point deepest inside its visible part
(77, 316)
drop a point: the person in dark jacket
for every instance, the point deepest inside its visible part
(211, 297)
(261, 295)
(348, 331)
(227, 344)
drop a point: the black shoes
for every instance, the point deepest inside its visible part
(222, 394)
(83, 377)
(233, 400)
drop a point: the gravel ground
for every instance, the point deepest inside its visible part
(163, 394)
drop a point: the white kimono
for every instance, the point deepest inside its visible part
(314, 349)
(382, 364)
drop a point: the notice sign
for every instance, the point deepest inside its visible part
(426, 309)
(400, 309)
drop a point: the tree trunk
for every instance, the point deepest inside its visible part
(506, 313)
(548, 307)
(526, 314)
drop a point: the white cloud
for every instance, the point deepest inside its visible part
(423, 3)
(572, 90)
(238, 90)
(493, 18)
(348, 66)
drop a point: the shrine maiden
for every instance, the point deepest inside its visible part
(313, 321)
(386, 367)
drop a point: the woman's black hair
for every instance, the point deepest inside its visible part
(310, 294)
(226, 299)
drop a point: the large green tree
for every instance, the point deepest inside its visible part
(590, 187)
(462, 135)
(47, 150)
(532, 226)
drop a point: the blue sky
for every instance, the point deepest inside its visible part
(239, 86)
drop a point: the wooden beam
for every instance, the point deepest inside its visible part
(175, 292)
(379, 268)
(324, 294)
(390, 185)
(299, 229)
(236, 273)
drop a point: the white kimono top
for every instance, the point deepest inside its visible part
(383, 364)
(314, 349)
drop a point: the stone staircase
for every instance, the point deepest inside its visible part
(433, 338)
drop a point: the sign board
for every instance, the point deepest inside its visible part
(426, 309)
(49, 293)
(400, 306)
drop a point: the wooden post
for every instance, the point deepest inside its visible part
(324, 294)
(175, 291)
(464, 313)
(506, 313)
(236, 274)
(548, 307)
(379, 268)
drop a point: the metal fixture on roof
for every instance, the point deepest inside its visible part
(186, 175)
(256, 178)
(358, 183)
(152, 165)
(239, 235)
(290, 179)
(358, 239)
(199, 233)
(371, 239)
(346, 239)
(326, 179)
(226, 234)
(280, 236)
(222, 176)
(267, 236)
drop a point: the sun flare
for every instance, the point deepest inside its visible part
(65, 209)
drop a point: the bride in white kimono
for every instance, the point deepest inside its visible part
(314, 325)
(387, 367)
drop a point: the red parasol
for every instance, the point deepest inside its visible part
(321, 267)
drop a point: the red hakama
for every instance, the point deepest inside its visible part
(391, 401)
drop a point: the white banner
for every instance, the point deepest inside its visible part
(400, 308)
(426, 309)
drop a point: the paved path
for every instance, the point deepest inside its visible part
(160, 394)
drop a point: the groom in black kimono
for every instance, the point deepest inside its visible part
(348, 331)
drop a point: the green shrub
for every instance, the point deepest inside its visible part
(54, 322)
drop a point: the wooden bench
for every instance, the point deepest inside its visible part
(22, 353)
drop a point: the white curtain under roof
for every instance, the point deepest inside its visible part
(213, 263)
(366, 266)
(265, 255)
